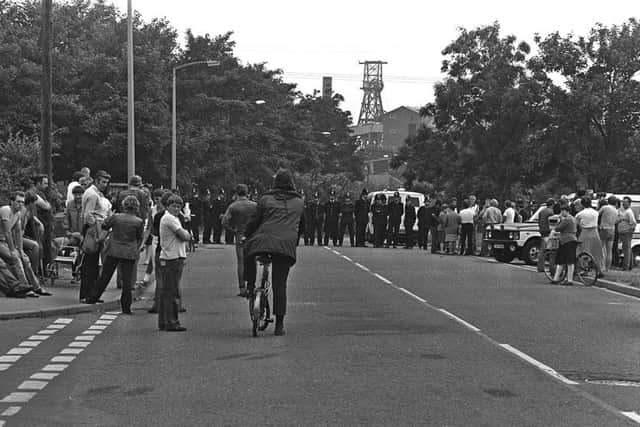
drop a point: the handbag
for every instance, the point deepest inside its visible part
(90, 243)
(553, 243)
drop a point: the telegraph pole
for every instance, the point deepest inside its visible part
(46, 83)
(131, 136)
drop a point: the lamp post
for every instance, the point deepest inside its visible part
(131, 150)
(173, 115)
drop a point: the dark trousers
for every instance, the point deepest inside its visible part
(392, 233)
(206, 232)
(409, 235)
(423, 234)
(319, 232)
(378, 234)
(229, 236)
(435, 238)
(168, 306)
(195, 230)
(331, 231)
(89, 274)
(9, 285)
(108, 268)
(217, 231)
(46, 248)
(310, 233)
(466, 239)
(344, 226)
(280, 267)
(361, 231)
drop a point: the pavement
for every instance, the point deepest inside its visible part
(64, 300)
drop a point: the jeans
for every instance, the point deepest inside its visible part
(19, 265)
(625, 238)
(240, 261)
(109, 267)
(168, 306)
(89, 274)
(466, 239)
(9, 285)
(280, 266)
(32, 249)
(606, 237)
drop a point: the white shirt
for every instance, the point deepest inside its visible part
(467, 215)
(70, 187)
(172, 246)
(587, 218)
(509, 215)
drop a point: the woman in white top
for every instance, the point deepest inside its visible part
(587, 220)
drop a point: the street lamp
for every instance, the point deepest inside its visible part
(131, 151)
(210, 63)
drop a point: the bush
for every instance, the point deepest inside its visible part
(18, 162)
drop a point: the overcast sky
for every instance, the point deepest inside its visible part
(309, 39)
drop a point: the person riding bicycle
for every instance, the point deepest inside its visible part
(273, 230)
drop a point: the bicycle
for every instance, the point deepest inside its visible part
(259, 308)
(585, 271)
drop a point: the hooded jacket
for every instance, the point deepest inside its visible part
(274, 227)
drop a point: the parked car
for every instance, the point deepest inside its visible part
(518, 240)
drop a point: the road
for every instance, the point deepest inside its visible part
(374, 337)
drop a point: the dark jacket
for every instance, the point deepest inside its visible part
(313, 211)
(362, 211)
(238, 214)
(331, 212)
(346, 210)
(139, 194)
(274, 227)
(409, 216)
(379, 214)
(126, 235)
(395, 212)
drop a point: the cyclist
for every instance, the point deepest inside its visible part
(274, 230)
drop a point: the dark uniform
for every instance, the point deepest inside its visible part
(395, 210)
(217, 208)
(362, 218)
(196, 216)
(423, 226)
(313, 217)
(346, 219)
(409, 222)
(207, 217)
(331, 215)
(379, 218)
(229, 234)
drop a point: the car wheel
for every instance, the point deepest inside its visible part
(503, 256)
(530, 251)
(636, 256)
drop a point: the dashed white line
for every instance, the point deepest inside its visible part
(84, 338)
(98, 327)
(38, 337)
(64, 321)
(29, 343)
(4, 366)
(20, 350)
(103, 322)
(32, 385)
(548, 370)
(361, 267)
(411, 294)
(346, 257)
(62, 359)
(388, 282)
(79, 344)
(9, 359)
(44, 376)
(72, 351)
(55, 367)
(459, 320)
(632, 415)
(56, 326)
(18, 397)
(10, 411)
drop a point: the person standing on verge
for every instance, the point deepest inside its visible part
(173, 241)
(395, 211)
(362, 218)
(218, 208)
(331, 219)
(122, 249)
(467, 216)
(587, 220)
(626, 227)
(238, 215)
(423, 224)
(274, 230)
(409, 222)
(379, 219)
(311, 208)
(607, 218)
(545, 230)
(347, 210)
(509, 215)
(566, 256)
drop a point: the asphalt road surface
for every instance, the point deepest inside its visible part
(374, 337)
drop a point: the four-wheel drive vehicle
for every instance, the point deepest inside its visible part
(517, 240)
(416, 198)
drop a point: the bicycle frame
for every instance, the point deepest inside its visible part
(259, 302)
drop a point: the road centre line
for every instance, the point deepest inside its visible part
(459, 320)
(538, 364)
(346, 257)
(411, 294)
(632, 415)
(362, 267)
(388, 282)
(11, 410)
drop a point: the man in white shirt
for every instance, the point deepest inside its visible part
(607, 219)
(173, 239)
(509, 214)
(467, 215)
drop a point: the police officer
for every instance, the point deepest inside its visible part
(207, 217)
(331, 216)
(218, 208)
(379, 219)
(347, 210)
(395, 210)
(312, 214)
(196, 216)
(409, 222)
(362, 218)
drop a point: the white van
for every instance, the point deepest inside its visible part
(416, 198)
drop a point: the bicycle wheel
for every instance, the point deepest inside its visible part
(586, 269)
(254, 308)
(265, 314)
(550, 265)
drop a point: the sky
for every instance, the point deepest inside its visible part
(310, 39)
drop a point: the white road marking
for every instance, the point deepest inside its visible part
(10, 411)
(44, 376)
(108, 317)
(346, 257)
(9, 359)
(65, 359)
(72, 350)
(459, 320)
(18, 397)
(84, 337)
(47, 332)
(2, 422)
(411, 294)
(537, 364)
(98, 327)
(32, 385)
(335, 252)
(620, 294)
(388, 282)
(4, 366)
(64, 321)
(55, 367)
(327, 248)
(362, 267)
(79, 344)
(113, 312)
(38, 337)
(92, 332)
(29, 343)
(56, 326)
(103, 322)
(19, 350)
(632, 415)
